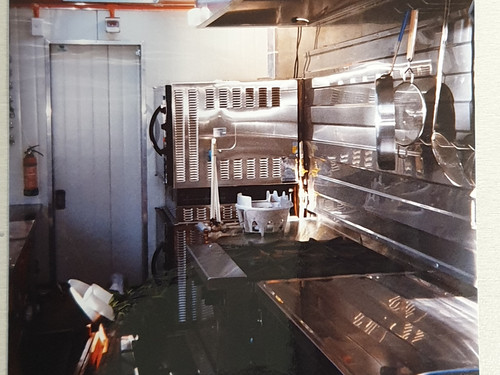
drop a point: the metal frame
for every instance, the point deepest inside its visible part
(143, 129)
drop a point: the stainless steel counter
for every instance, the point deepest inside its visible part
(18, 234)
(214, 266)
(21, 222)
(377, 323)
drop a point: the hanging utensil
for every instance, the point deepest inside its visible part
(409, 103)
(214, 185)
(469, 167)
(443, 149)
(385, 112)
(447, 158)
(445, 121)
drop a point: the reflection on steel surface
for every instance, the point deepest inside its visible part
(381, 321)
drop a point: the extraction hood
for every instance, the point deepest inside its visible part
(315, 12)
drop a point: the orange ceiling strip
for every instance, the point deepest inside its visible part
(181, 5)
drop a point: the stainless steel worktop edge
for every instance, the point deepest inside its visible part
(412, 319)
(214, 266)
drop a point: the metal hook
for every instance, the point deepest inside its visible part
(412, 75)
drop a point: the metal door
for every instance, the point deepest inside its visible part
(96, 139)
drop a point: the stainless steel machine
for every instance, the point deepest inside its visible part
(254, 126)
(245, 118)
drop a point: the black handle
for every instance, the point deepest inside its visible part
(155, 267)
(60, 200)
(168, 106)
(157, 111)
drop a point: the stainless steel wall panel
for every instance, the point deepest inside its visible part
(461, 31)
(345, 114)
(411, 209)
(463, 115)
(458, 59)
(461, 85)
(376, 50)
(347, 95)
(370, 67)
(414, 209)
(400, 189)
(357, 137)
(423, 250)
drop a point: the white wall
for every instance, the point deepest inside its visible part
(172, 51)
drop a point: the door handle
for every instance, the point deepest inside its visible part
(60, 200)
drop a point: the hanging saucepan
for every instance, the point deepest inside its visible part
(410, 108)
(384, 127)
(385, 112)
(443, 149)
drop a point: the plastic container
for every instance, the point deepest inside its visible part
(263, 216)
(92, 299)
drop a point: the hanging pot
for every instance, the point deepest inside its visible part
(410, 107)
(385, 123)
(385, 112)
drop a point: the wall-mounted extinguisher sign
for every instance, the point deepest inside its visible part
(30, 171)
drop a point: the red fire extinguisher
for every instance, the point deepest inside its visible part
(30, 171)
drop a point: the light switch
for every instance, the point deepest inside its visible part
(37, 27)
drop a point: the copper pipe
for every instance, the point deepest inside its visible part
(36, 11)
(109, 7)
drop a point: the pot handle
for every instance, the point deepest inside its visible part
(400, 38)
(412, 38)
(412, 35)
